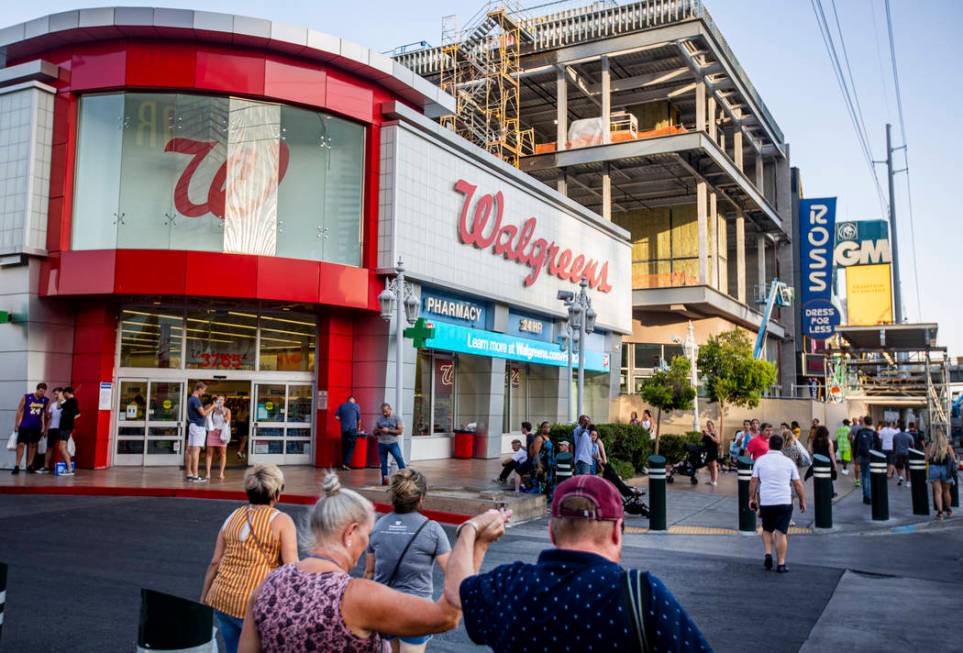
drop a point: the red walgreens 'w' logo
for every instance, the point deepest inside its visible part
(250, 183)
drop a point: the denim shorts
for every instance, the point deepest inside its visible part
(939, 473)
(415, 640)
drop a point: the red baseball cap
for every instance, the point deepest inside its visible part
(608, 503)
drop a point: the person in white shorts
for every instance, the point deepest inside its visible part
(196, 431)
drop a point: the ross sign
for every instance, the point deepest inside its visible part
(518, 243)
(106, 392)
(452, 308)
(862, 242)
(869, 295)
(465, 340)
(816, 229)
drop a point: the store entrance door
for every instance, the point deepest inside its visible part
(282, 423)
(150, 422)
(237, 398)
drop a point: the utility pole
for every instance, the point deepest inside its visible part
(893, 236)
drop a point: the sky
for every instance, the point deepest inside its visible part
(778, 43)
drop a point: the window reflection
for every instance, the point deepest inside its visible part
(151, 337)
(288, 341)
(220, 339)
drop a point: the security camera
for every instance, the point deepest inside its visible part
(565, 295)
(677, 340)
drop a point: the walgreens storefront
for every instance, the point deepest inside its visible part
(191, 197)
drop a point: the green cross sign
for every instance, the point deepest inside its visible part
(422, 331)
(4, 317)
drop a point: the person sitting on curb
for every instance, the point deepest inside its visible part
(529, 607)
(774, 476)
(518, 463)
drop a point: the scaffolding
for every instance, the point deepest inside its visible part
(480, 69)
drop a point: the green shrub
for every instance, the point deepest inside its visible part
(629, 444)
(622, 468)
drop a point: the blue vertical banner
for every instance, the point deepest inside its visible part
(817, 222)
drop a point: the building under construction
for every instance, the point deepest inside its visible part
(642, 113)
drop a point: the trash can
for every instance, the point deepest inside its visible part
(360, 457)
(374, 460)
(464, 443)
(480, 444)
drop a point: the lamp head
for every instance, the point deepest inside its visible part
(386, 300)
(411, 309)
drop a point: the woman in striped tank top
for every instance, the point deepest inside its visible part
(254, 539)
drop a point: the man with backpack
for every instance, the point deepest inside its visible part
(529, 607)
(865, 441)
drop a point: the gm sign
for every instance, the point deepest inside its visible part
(863, 242)
(817, 218)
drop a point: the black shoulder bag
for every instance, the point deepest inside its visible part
(638, 600)
(394, 572)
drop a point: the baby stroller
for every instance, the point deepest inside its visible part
(695, 459)
(632, 501)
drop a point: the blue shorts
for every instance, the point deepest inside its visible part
(414, 640)
(940, 473)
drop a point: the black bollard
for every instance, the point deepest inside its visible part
(955, 489)
(747, 516)
(3, 594)
(878, 484)
(170, 623)
(657, 520)
(917, 472)
(823, 490)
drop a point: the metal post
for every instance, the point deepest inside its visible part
(823, 490)
(693, 352)
(917, 465)
(581, 363)
(893, 237)
(170, 623)
(747, 516)
(657, 493)
(568, 390)
(879, 489)
(399, 344)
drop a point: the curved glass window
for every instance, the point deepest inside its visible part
(217, 174)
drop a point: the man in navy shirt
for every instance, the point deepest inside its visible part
(349, 414)
(524, 607)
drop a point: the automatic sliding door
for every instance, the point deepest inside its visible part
(164, 425)
(282, 423)
(131, 413)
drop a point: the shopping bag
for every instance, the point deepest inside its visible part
(226, 432)
(12, 442)
(42, 446)
(71, 447)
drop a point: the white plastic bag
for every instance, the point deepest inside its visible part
(226, 432)
(71, 447)
(804, 457)
(42, 445)
(12, 442)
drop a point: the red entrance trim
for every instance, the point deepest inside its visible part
(185, 493)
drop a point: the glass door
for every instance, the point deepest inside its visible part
(149, 422)
(164, 423)
(131, 422)
(281, 423)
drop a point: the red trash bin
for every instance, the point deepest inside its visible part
(464, 443)
(360, 458)
(480, 444)
(373, 459)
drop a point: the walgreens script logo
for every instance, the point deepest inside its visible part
(519, 244)
(243, 177)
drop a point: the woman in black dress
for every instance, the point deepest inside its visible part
(710, 444)
(823, 445)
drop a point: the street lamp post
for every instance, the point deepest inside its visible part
(398, 299)
(691, 350)
(581, 322)
(567, 343)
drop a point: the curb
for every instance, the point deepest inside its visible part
(190, 493)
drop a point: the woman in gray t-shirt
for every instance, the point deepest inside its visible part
(404, 547)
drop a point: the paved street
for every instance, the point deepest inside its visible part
(77, 564)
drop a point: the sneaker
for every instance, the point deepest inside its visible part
(856, 483)
(782, 569)
(908, 484)
(345, 468)
(767, 562)
(42, 470)
(899, 481)
(200, 479)
(15, 470)
(845, 472)
(31, 470)
(68, 473)
(190, 478)
(867, 501)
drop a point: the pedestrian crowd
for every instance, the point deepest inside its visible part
(42, 431)
(269, 596)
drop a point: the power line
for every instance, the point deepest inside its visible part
(902, 131)
(879, 59)
(854, 115)
(849, 70)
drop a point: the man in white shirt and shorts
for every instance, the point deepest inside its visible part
(774, 476)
